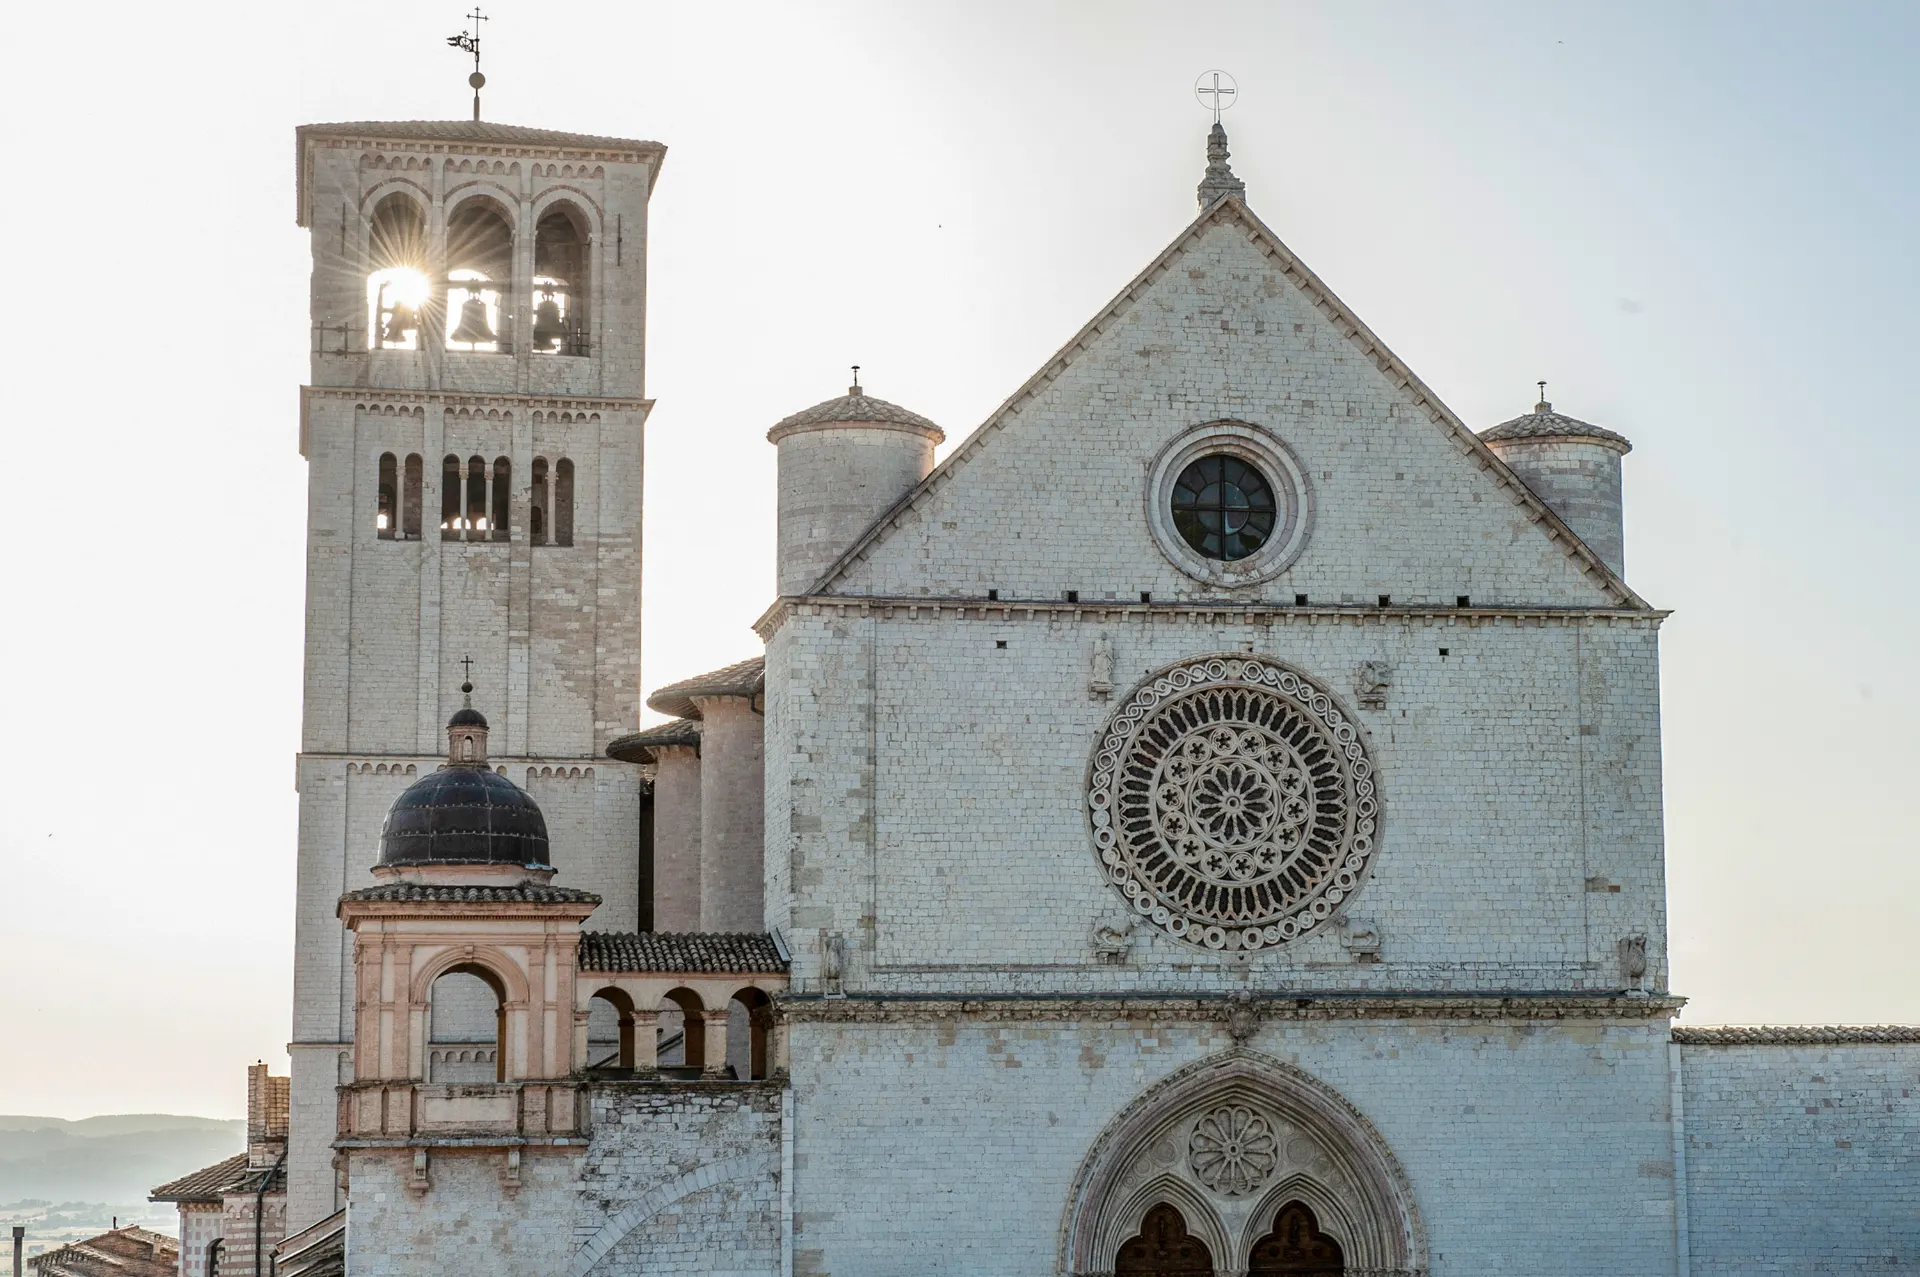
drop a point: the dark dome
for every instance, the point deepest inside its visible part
(464, 815)
(468, 717)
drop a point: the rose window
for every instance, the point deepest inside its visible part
(1233, 1150)
(1233, 803)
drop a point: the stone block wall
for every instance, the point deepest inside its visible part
(928, 772)
(674, 1178)
(1801, 1155)
(951, 1145)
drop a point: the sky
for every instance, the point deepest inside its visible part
(1693, 220)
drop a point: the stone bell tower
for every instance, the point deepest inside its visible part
(472, 427)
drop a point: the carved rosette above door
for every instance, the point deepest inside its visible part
(1232, 803)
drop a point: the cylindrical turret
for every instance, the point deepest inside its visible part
(1574, 467)
(674, 750)
(729, 704)
(842, 464)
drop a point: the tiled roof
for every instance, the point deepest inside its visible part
(124, 1252)
(743, 678)
(1808, 1035)
(474, 131)
(524, 894)
(1544, 423)
(639, 747)
(854, 407)
(747, 952)
(204, 1185)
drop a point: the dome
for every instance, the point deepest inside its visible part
(464, 814)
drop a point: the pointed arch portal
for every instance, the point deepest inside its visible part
(1242, 1164)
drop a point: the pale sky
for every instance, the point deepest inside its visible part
(1695, 221)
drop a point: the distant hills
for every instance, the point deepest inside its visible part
(117, 1158)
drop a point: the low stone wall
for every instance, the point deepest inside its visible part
(673, 1178)
(681, 1178)
(1801, 1150)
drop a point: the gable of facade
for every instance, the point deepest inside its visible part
(1395, 496)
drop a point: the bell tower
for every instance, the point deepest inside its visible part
(472, 426)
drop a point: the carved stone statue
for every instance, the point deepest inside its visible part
(1370, 683)
(1102, 682)
(1633, 960)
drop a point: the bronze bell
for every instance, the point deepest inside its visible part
(473, 328)
(401, 320)
(547, 326)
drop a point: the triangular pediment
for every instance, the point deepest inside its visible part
(1226, 324)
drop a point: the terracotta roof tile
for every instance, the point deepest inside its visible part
(1806, 1035)
(204, 1185)
(639, 746)
(859, 408)
(482, 131)
(742, 678)
(744, 953)
(1544, 423)
(124, 1252)
(413, 892)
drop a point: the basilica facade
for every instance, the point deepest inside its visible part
(1208, 823)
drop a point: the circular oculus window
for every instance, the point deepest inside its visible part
(1232, 803)
(1229, 504)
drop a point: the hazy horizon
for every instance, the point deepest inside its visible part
(1694, 221)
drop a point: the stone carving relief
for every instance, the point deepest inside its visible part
(1371, 679)
(1233, 1150)
(1232, 803)
(1113, 937)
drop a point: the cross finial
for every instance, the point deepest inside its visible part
(854, 389)
(466, 686)
(471, 44)
(1543, 405)
(1216, 91)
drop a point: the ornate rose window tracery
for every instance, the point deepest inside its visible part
(1232, 803)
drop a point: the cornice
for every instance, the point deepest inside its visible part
(1252, 612)
(1223, 1008)
(372, 396)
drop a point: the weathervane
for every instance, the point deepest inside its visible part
(471, 44)
(1215, 85)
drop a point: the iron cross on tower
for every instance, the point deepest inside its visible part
(1215, 89)
(471, 43)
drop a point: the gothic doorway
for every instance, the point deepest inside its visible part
(1296, 1247)
(1163, 1248)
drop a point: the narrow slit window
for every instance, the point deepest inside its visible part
(563, 502)
(410, 499)
(450, 519)
(477, 499)
(537, 504)
(502, 493)
(386, 518)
